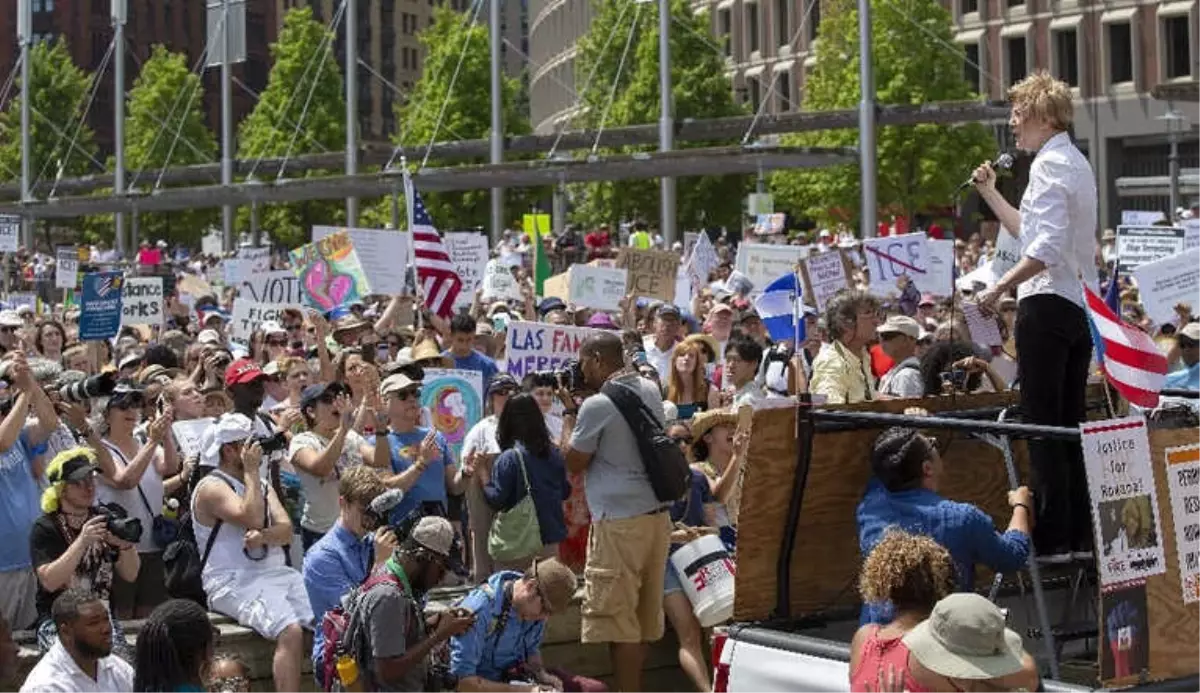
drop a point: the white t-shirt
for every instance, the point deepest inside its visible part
(151, 486)
(482, 437)
(321, 494)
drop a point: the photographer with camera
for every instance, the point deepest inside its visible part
(631, 530)
(76, 544)
(142, 464)
(359, 543)
(243, 528)
(952, 367)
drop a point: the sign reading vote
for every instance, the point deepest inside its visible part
(651, 272)
(535, 346)
(275, 288)
(142, 301)
(599, 288)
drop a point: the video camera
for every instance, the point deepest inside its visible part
(569, 376)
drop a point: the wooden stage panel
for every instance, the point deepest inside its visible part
(825, 559)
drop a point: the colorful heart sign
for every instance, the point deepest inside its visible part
(330, 273)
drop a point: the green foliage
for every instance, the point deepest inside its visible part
(270, 129)
(464, 111)
(918, 167)
(154, 114)
(700, 89)
(60, 91)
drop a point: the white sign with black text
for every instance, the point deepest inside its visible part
(279, 288)
(1137, 245)
(892, 257)
(66, 267)
(1165, 283)
(469, 253)
(1183, 483)
(599, 288)
(142, 301)
(248, 315)
(10, 233)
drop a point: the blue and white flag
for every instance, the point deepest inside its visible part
(781, 310)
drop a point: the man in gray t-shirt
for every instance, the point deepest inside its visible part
(631, 530)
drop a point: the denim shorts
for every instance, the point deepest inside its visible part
(671, 582)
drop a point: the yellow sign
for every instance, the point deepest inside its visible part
(536, 224)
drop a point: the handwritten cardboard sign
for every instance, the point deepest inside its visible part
(600, 288)
(892, 257)
(824, 275)
(651, 272)
(536, 346)
(499, 283)
(469, 253)
(275, 288)
(142, 301)
(330, 273)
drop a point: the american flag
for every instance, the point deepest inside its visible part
(1128, 357)
(439, 280)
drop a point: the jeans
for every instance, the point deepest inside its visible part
(1054, 351)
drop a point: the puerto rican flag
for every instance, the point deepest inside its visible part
(439, 280)
(1128, 357)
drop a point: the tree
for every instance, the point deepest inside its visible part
(302, 110)
(629, 80)
(918, 166)
(59, 98)
(164, 125)
(456, 49)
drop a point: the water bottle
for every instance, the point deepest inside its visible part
(347, 671)
(171, 509)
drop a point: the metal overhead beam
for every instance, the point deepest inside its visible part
(707, 130)
(516, 174)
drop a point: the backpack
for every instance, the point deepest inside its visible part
(335, 627)
(667, 468)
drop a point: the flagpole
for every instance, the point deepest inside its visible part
(410, 271)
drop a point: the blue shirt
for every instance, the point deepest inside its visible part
(1186, 378)
(333, 566)
(431, 485)
(690, 510)
(475, 361)
(20, 506)
(547, 481)
(963, 529)
(499, 639)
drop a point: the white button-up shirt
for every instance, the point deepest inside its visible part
(1058, 221)
(57, 671)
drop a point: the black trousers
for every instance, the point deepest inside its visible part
(1054, 350)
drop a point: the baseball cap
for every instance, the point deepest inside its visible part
(397, 383)
(271, 327)
(271, 369)
(900, 324)
(310, 395)
(550, 304)
(434, 534)
(602, 321)
(71, 465)
(927, 300)
(231, 428)
(208, 337)
(1191, 331)
(668, 310)
(721, 307)
(242, 371)
(556, 581)
(501, 382)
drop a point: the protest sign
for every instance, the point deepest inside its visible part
(280, 288)
(701, 262)
(1169, 281)
(1183, 481)
(1007, 254)
(651, 272)
(142, 301)
(469, 253)
(499, 283)
(983, 330)
(237, 271)
(1137, 245)
(195, 285)
(260, 258)
(16, 301)
(1124, 501)
(248, 315)
(1191, 233)
(763, 263)
(892, 257)
(188, 435)
(212, 244)
(66, 267)
(382, 253)
(599, 288)
(941, 266)
(100, 306)
(683, 291)
(769, 224)
(1137, 217)
(330, 273)
(558, 286)
(689, 241)
(1125, 640)
(10, 233)
(452, 400)
(538, 224)
(535, 346)
(824, 275)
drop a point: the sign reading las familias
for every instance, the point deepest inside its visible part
(652, 273)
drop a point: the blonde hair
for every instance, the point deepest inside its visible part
(912, 571)
(52, 496)
(360, 484)
(1042, 97)
(675, 378)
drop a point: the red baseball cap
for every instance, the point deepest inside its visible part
(242, 371)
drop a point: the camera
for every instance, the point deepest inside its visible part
(96, 386)
(569, 376)
(956, 377)
(119, 524)
(272, 444)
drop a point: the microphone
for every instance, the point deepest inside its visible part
(384, 502)
(1004, 162)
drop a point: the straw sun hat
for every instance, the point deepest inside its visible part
(965, 638)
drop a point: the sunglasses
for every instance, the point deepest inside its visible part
(681, 440)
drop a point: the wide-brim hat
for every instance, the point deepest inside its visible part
(965, 638)
(427, 349)
(706, 342)
(705, 421)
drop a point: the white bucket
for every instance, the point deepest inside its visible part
(707, 572)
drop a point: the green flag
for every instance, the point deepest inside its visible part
(541, 264)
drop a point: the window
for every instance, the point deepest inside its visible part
(1015, 3)
(36, 6)
(968, 6)
(783, 34)
(724, 31)
(1120, 53)
(1015, 60)
(49, 5)
(971, 64)
(752, 26)
(1176, 47)
(784, 88)
(1066, 56)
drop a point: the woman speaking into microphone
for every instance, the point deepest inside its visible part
(1056, 227)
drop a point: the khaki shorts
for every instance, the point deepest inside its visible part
(623, 579)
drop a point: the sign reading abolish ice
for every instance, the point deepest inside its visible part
(535, 346)
(1124, 502)
(1183, 482)
(330, 274)
(892, 257)
(100, 306)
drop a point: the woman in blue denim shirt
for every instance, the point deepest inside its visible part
(902, 492)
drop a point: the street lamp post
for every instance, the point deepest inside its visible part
(1175, 121)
